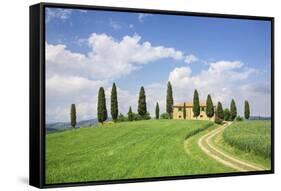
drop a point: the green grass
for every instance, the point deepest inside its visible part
(249, 157)
(250, 136)
(152, 148)
(204, 164)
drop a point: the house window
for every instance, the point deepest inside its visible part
(180, 109)
(202, 108)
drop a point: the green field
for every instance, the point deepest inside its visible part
(152, 148)
(250, 136)
(249, 140)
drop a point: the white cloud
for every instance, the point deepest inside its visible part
(190, 59)
(125, 100)
(141, 16)
(180, 76)
(108, 57)
(216, 80)
(115, 25)
(156, 92)
(259, 96)
(61, 91)
(222, 66)
(57, 13)
(70, 85)
(231, 69)
(224, 80)
(75, 77)
(61, 61)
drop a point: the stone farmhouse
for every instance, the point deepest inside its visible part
(178, 111)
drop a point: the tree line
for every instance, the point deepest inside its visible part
(219, 113)
(142, 113)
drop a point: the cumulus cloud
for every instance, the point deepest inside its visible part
(190, 59)
(259, 96)
(57, 13)
(70, 85)
(75, 77)
(156, 92)
(224, 80)
(115, 25)
(125, 99)
(61, 91)
(108, 57)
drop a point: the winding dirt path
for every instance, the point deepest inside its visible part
(209, 149)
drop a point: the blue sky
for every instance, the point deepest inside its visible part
(232, 55)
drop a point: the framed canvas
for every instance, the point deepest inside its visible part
(122, 95)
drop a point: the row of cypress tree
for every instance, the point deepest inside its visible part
(220, 114)
(142, 109)
(102, 111)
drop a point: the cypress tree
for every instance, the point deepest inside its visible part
(114, 103)
(220, 111)
(210, 107)
(233, 110)
(196, 104)
(73, 115)
(217, 119)
(142, 103)
(130, 114)
(247, 110)
(184, 111)
(169, 100)
(102, 112)
(157, 111)
(226, 114)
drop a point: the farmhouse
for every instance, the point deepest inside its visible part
(178, 111)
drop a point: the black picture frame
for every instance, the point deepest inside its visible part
(37, 93)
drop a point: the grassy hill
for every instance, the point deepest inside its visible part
(139, 149)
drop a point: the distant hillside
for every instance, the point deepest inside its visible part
(259, 118)
(59, 126)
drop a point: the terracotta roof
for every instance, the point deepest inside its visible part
(189, 104)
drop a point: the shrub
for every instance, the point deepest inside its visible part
(209, 124)
(133, 117)
(226, 114)
(164, 116)
(146, 116)
(137, 117)
(239, 118)
(122, 118)
(218, 120)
